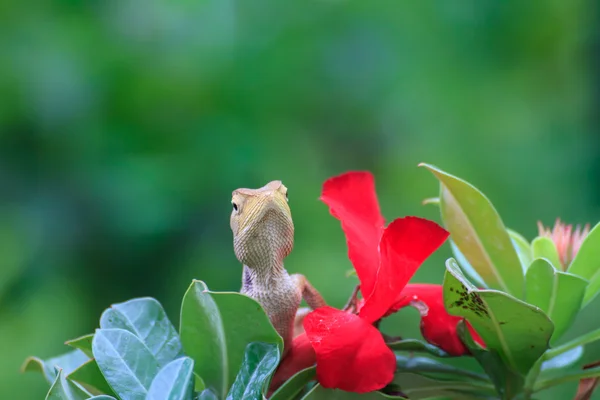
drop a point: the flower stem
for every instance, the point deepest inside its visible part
(580, 341)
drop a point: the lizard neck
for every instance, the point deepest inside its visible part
(262, 278)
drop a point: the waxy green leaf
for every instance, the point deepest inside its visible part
(175, 381)
(563, 360)
(522, 247)
(83, 343)
(218, 327)
(587, 264)
(146, 319)
(479, 233)
(558, 294)
(432, 368)
(260, 361)
(198, 383)
(507, 382)
(543, 247)
(417, 346)
(581, 340)
(89, 376)
(207, 394)
(416, 387)
(318, 392)
(62, 389)
(68, 362)
(518, 331)
(127, 364)
(466, 267)
(569, 376)
(293, 386)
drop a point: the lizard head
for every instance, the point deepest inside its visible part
(261, 221)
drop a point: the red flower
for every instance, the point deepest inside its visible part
(351, 353)
(437, 326)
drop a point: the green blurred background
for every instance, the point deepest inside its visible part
(126, 124)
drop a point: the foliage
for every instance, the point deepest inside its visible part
(125, 127)
(226, 348)
(137, 353)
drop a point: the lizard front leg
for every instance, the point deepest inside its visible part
(312, 297)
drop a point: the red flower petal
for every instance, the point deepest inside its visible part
(437, 326)
(352, 199)
(405, 245)
(300, 356)
(351, 353)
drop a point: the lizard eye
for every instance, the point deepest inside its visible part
(235, 206)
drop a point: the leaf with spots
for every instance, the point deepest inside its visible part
(518, 331)
(508, 383)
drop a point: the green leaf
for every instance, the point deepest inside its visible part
(417, 346)
(83, 343)
(506, 381)
(218, 327)
(466, 267)
(318, 392)
(198, 383)
(62, 389)
(125, 362)
(415, 387)
(431, 200)
(433, 368)
(522, 247)
(207, 394)
(587, 264)
(582, 340)
(563, 360)
(260, 361)
(543, 247)
(567, 377)
(479, 233)
(293, 386)
(89, 376)
(146, 319)
(518, 331)
(175, 381)
(558, 294)
(68, 362)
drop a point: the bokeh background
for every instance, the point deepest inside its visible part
(126, 124)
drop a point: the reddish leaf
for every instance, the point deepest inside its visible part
(405, 244)
(351, 353)
(437, 326)
(352, 199)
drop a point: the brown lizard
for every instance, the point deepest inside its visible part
(263, 235)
